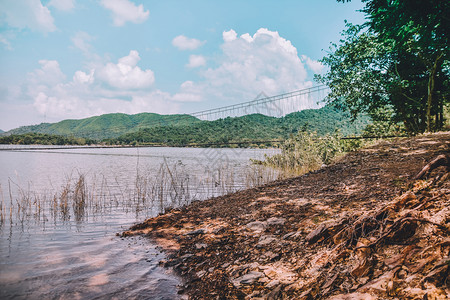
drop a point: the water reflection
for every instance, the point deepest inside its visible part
(60, 211)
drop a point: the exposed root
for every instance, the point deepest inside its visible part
(359, 229)
(442, 160)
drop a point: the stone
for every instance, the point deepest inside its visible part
(200, 274)
(201, 246)
(275, 221)
(265, 240)
(248, 278)
(353, 296)
(257, 226)
(196, 232)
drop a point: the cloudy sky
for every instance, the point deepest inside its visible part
(65, 59)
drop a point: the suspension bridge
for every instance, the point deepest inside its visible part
(274, 106)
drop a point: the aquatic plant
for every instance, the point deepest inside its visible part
(82, 196)
(307, 151)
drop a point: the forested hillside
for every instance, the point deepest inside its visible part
(105, 126)
(43, 139)
(248, 128)
(175, 130)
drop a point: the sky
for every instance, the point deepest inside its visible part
(71, 59)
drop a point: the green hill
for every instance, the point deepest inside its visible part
(184, 129)
(106, 126)
(248, 128)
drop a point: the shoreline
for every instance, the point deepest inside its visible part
(331, 233)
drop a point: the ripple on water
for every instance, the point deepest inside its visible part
(112, 268)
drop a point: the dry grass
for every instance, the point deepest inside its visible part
(81, 197)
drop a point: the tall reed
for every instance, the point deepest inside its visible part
(171, 186)
(307, 151)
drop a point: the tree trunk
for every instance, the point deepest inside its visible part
(431, 81)
(431, 85)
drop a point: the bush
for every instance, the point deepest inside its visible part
(308, 151)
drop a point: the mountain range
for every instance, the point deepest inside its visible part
(182, 129)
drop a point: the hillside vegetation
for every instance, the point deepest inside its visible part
(106, 126)
(43, 139)
(173, 130)
(248, 128)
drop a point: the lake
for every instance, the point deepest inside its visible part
(62, 207)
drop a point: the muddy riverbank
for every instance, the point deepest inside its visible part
(363, 228)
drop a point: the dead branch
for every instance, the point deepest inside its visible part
(439, 161)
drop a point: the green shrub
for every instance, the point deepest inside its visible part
(307, 151)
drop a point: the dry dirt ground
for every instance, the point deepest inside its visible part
(362, 228)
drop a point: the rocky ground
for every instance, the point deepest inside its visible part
(363, 228)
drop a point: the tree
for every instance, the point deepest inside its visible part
(420, 29)
(397, 61)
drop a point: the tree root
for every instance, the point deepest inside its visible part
(439, 161)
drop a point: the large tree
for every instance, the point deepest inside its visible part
(398, 61)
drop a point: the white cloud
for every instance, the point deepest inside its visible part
(313, 65)
(189, 92)
(126, 74)
(5, 42)
(69, 106)
(49, 73)
(253, 64)
(85, 95)
(185, 43)
(107, 88)
(125, 11)
(81, 77)
(196, 61)
(27, 14)
(81, 41)
(229, 36)
(64, 5)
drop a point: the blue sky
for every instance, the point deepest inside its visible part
(64, 59)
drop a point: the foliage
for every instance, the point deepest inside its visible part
(397, 61)
(358, 74)
(43, 139)
(254, 127)
(106, 126)
(178, 130)
(308, 151)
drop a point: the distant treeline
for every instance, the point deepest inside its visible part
(43, 139)
(255, 127)
(185, 130)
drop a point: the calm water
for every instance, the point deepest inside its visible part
(61, 208)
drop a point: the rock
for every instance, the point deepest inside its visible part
(200, 274)
(353, 296)
(276, 293)
(196, 232)
(201, 246)
(288, 235)
(256, 226)
(317, 234)
(186, 256)
(265, 240)
(272, 284)
(275, 221)
(271, 256)
(439, 274)
(280, 273)
(248, 278)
